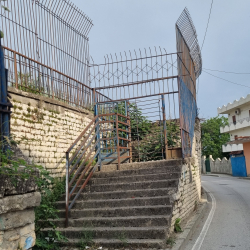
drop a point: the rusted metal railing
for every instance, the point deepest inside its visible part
(55, 33)
(29, 75)
(105, 140)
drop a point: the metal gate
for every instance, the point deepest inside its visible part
(207, 164)
(114, 132)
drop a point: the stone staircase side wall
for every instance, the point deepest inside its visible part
(45, 128)
(17, 215)
(189, 189)
(222, 166)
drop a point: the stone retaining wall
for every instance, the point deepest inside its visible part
(189, 190)
(45, 128)
(17, 216)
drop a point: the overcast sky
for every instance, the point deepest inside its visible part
(122, 25)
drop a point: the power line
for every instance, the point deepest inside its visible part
(228, 72)
(204, 39)
(207, 24)
(227, 80)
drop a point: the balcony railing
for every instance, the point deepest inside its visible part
(237, 121)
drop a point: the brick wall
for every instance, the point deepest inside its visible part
(45, 128)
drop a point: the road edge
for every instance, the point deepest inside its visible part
(183, 237)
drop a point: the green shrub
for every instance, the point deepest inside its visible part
(47, 212)
(51, 190)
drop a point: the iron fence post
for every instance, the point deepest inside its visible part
(97, 130)
(67, 191)
(15, 69)
(181, 118)
(164, 127)
(129, 133)
(5, 113)
(117, 139)
(52, 83)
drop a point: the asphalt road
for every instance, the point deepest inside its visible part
(228, 213)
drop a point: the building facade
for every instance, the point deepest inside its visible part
(239, 127)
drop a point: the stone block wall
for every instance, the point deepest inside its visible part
(17, 216)
(189, 189)
(45, 128)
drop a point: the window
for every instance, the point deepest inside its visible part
(236, 137)
(234, 119)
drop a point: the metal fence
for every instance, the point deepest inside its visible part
(31, 76)
(136, 74)
(54, 33)
(153, 73)
(47, 53)
(47, 50)
(189, 63)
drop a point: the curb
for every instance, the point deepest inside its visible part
(183, 237)
(214, 175)
(244, 178)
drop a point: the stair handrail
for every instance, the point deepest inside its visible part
(87, 132)
(78, 168)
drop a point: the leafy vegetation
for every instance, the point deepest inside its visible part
(177, 226)
(50, 188)
(171, 241)
(28, 84)
(47, 212)
(86, 239)
(140, 125)
(123, 238)
(149, 134)
(211, 138)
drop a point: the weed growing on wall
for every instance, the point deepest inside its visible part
(28, 84)
(177, 226)
(51, 189)
(170, 242)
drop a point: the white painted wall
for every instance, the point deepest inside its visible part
(242, 102)
(232, 147)
(220, 166)
(242, 126)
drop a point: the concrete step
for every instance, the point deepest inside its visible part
(143, 165)
(129, 221)
(138, 171)
(133, 185)
(135, 178)
(139, 201)
(125, 194)
(121, 233)
(117, 211)
(120, 243)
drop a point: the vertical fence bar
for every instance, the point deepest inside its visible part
(117, 138)
(164, 126)
(15, 70)
(129, 133)
(181, 119)
(52, 83)
(67, 191)
(97, 129)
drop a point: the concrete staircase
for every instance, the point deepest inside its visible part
(129, 208)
